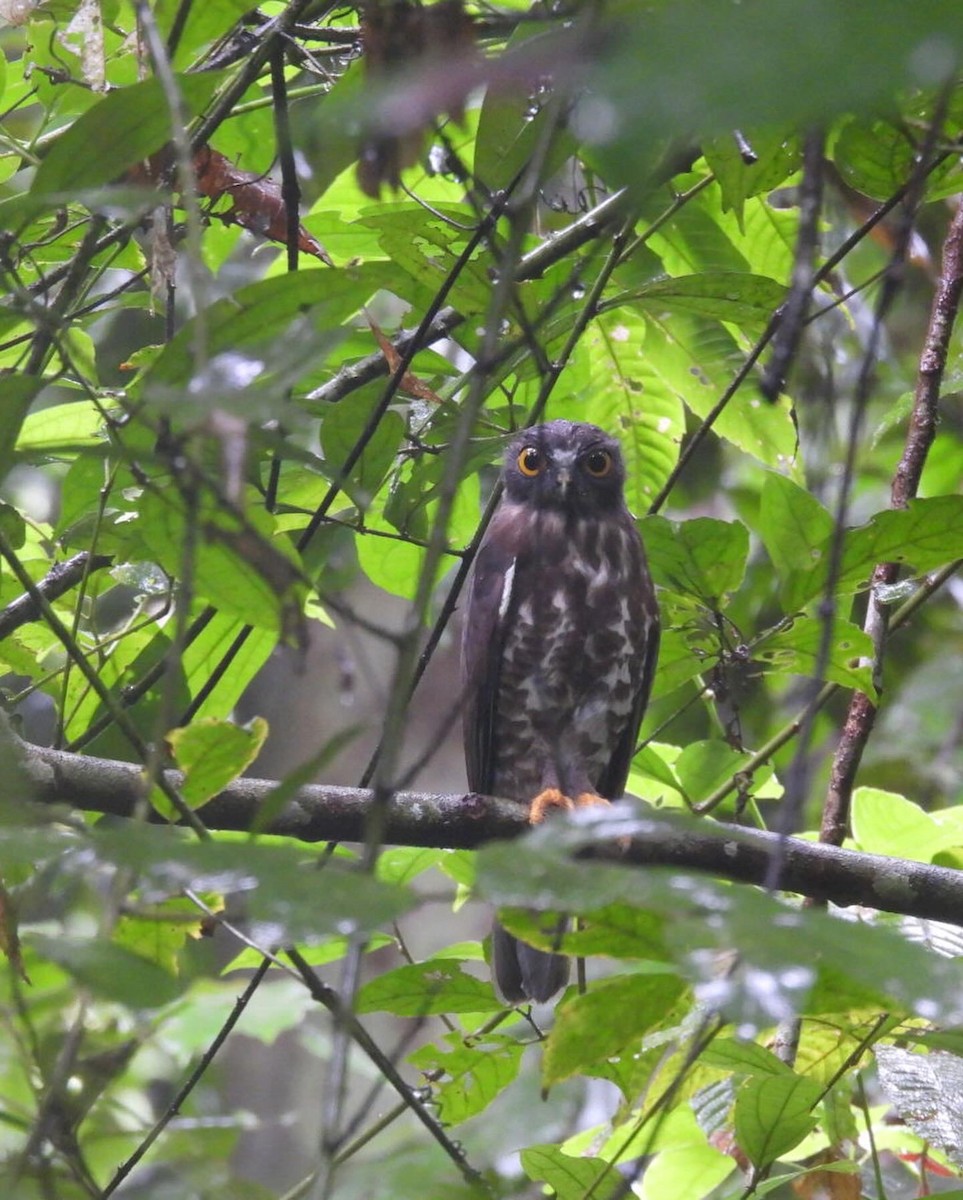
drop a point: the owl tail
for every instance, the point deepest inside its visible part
(524, 973)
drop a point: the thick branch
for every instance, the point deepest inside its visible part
(465, 821)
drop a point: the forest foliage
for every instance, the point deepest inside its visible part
(278, 283)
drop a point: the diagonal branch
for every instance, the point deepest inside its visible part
(861, 716)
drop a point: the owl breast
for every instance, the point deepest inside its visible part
(574, 631)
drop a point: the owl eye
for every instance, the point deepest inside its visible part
(598, 463)
(530, 462)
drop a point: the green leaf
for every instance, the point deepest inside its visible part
(340, 431)
(242, 571)
(696, 359)
(678, 661)
(422, 243)
(123, 128)
(703, 557)
(714, 68)
(206, 653)
(468, 1076)
(743, 1058)
(509, 134)
(396, 564)
(876, 157)
(204, 24)
(278, 885)
(422, 989)
(329, 951)
(792, 523)
(745, 299)
(796, 651)
(779, 946)
(110, 971)
(689, 1172)
(705, 765)
(258, 313)
(616, 393)
(214, 753)
(926, 535)
(401, 864)
(618, 930)
(773, 1114)
(13, 525)
(886, 823)
(18, 394)
(610, 1017)
(777, 157)
(63, 429)
(571, 1178)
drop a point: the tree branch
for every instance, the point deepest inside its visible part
(861, 717)
(57, 582)
(319, 813)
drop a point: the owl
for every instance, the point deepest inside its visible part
(561, 635)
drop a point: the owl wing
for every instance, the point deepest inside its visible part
(486, 619)
(612, 783)
(646, 619)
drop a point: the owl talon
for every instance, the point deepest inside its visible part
(589, 800)
(547, 799)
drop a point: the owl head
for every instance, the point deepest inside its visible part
(568, 466)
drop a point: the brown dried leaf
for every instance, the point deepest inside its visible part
(258, 203)
(410, 382)
(829, 1185)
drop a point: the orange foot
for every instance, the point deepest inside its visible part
(545, 800)
(588, 799)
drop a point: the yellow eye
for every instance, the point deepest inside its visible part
(598, 463)
(530, 462)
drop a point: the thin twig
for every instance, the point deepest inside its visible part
(346, 1020)
(190, 1083)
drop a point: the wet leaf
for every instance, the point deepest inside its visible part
(926, 1090)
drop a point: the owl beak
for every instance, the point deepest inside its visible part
(563, 477)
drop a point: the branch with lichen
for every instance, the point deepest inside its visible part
(320, 812)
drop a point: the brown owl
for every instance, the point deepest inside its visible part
(560, 641)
